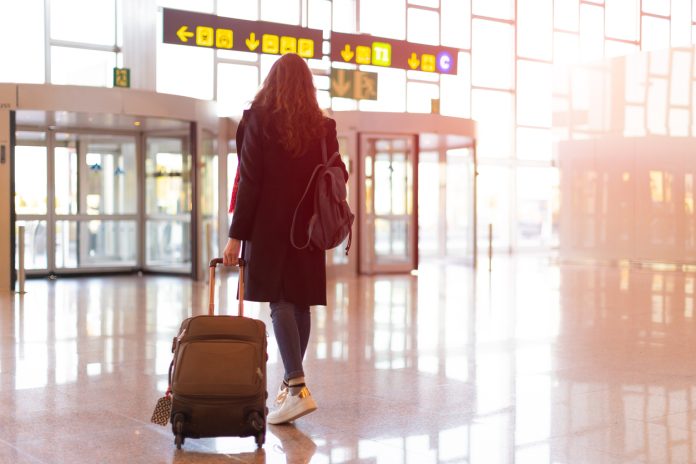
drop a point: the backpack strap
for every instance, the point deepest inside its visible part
(323, 149)
(294, 216)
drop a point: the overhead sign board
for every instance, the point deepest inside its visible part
(376, 51)
(358, 85)
(211, 31)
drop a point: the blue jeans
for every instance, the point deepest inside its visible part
(291, 324)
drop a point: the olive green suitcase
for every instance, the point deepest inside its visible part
(218, 375)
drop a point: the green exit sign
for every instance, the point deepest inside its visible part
(122, 77)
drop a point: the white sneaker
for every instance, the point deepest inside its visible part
(283, 392)
(294, 407)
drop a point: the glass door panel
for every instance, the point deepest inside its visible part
(96, 201)
(459, 200)
(337, 256)
(168, 204)
(209, 201)
(31, 197)
(389, 225)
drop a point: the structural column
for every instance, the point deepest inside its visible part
(8, 103)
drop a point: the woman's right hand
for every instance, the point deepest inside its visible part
(230, 257)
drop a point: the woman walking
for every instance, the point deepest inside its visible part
(280, 147)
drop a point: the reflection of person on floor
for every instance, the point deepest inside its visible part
(281, 147)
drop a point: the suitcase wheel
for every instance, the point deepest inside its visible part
(260, 440)
(179, 430)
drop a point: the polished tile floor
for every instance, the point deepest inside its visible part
(534, 363)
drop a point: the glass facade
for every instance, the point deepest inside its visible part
(507, 52)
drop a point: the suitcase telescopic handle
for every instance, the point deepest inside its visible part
(211, 286)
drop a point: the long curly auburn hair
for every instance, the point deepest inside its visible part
(288, 96)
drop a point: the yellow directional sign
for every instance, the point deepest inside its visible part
(363, 55)
(224, 38)
(381, 54)
(288, 45)
(252, 43)
(183, 34)
(270, 44)
(305, 48)
(413, 61)
(211, 31)
(358, 85)
(347, 53)
(205, 36)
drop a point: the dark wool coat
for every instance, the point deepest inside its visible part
(271, 184)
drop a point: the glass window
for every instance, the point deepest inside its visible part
(566, 48)
(613, 48)
(459, 201)
(420, 96)
(492, 111)
(680, 77)
(622, 19)
(455, 91)
(534, 144)
(566, 14)
(281, 11)
(423, 26)
(656, 34)
(95, 243)
(428, 3)
(344, 16)
(659, 7)
(319, 14)
(455, 16)
(110, 177)
(504, 9)
(428, 194)
(681, 24)
(66, 176)
(591, 32)
(535, 29)
(85, 21)
(186, 71)
(168, 177)
(203, 6)
(242, 9)
(237, 86)
(533, 94)
(385, 18)
(76, 66)
(35, 256)
(23, 19)
(267, 62)
(493, 54)
(31, 180)
(656, 108)
(493, 207)
(391, 91)
(537, 211)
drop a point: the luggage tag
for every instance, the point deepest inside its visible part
(163, 410)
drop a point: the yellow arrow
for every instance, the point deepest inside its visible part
(252, 42)
(183, 34)
(340, 86)
(347, 54)
(413, 62)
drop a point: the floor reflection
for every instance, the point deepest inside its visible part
(532, 363)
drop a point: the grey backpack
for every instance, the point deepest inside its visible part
(332, 218)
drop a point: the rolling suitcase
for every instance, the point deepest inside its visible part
(218, 375)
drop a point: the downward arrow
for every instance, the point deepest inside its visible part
(413, 62)
(340, 85)
(252, 43)
(183, 34)
(347, 54)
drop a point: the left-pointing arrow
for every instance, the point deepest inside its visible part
(183, 34)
